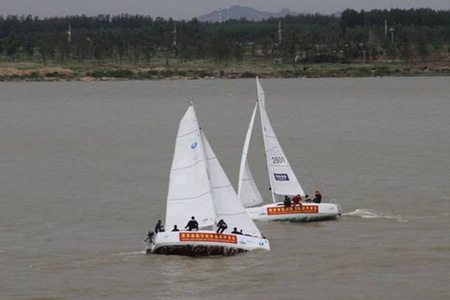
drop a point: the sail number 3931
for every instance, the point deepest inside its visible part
(278, 160)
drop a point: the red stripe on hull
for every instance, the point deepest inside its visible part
(305, 209)
(208, 237)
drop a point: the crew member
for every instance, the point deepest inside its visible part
(149, 238)
(159, 227)
(235, 231)
(296, 199)
(221, 226)
(175, 228)
(318, 197)
(307, 198)
(192, 224)
(287, 201)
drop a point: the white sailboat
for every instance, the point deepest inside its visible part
(199, 187)
(283, 181)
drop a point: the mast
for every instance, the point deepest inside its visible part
(262, 107)
(265, 153)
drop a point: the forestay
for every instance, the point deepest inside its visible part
(190, 192)
(282, 179)
(227, 205)
(248, 192)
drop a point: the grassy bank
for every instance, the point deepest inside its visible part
(35, 71)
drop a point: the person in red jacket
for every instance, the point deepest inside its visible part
(296, 200)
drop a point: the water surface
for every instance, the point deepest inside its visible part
(85, 168)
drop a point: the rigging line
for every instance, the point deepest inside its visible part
(317, 184)
(186, 133)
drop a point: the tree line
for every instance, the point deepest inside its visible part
(138, 39)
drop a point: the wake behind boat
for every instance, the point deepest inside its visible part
(283, 181)
(199, 189)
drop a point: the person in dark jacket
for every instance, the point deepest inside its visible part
(149, 238)
(159, 227)
(221, 226)
(287, 201)
(318, 197)
(192, 224)
(235, 231)
(175, 228)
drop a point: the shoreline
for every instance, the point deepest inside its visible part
(113, 73)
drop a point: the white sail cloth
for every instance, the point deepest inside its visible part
(199, 186)
(226, 203)
(189, 192)
(248, 192)
(282, 178)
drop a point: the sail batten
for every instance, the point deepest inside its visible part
(222, 187)
(235, 214)
(187, 167)
(183, 199)
(185, 134)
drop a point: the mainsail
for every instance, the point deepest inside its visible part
(282, 178)
(248, 192)
(190, 193)
(227, 205)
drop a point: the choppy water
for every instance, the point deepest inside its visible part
(84, 172)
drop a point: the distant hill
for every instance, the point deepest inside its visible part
(238, 12)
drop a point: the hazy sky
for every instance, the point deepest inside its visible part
(186, 9)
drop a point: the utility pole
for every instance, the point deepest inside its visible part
(391, 30)
(66, 49)
(174, 34)
(69, 35)
(279, 33)
(174, 43)
(385, 27)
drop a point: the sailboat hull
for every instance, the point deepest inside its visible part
(309, 212)
(204, 243)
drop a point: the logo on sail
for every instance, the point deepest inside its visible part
(194, 145)
(281, 177)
